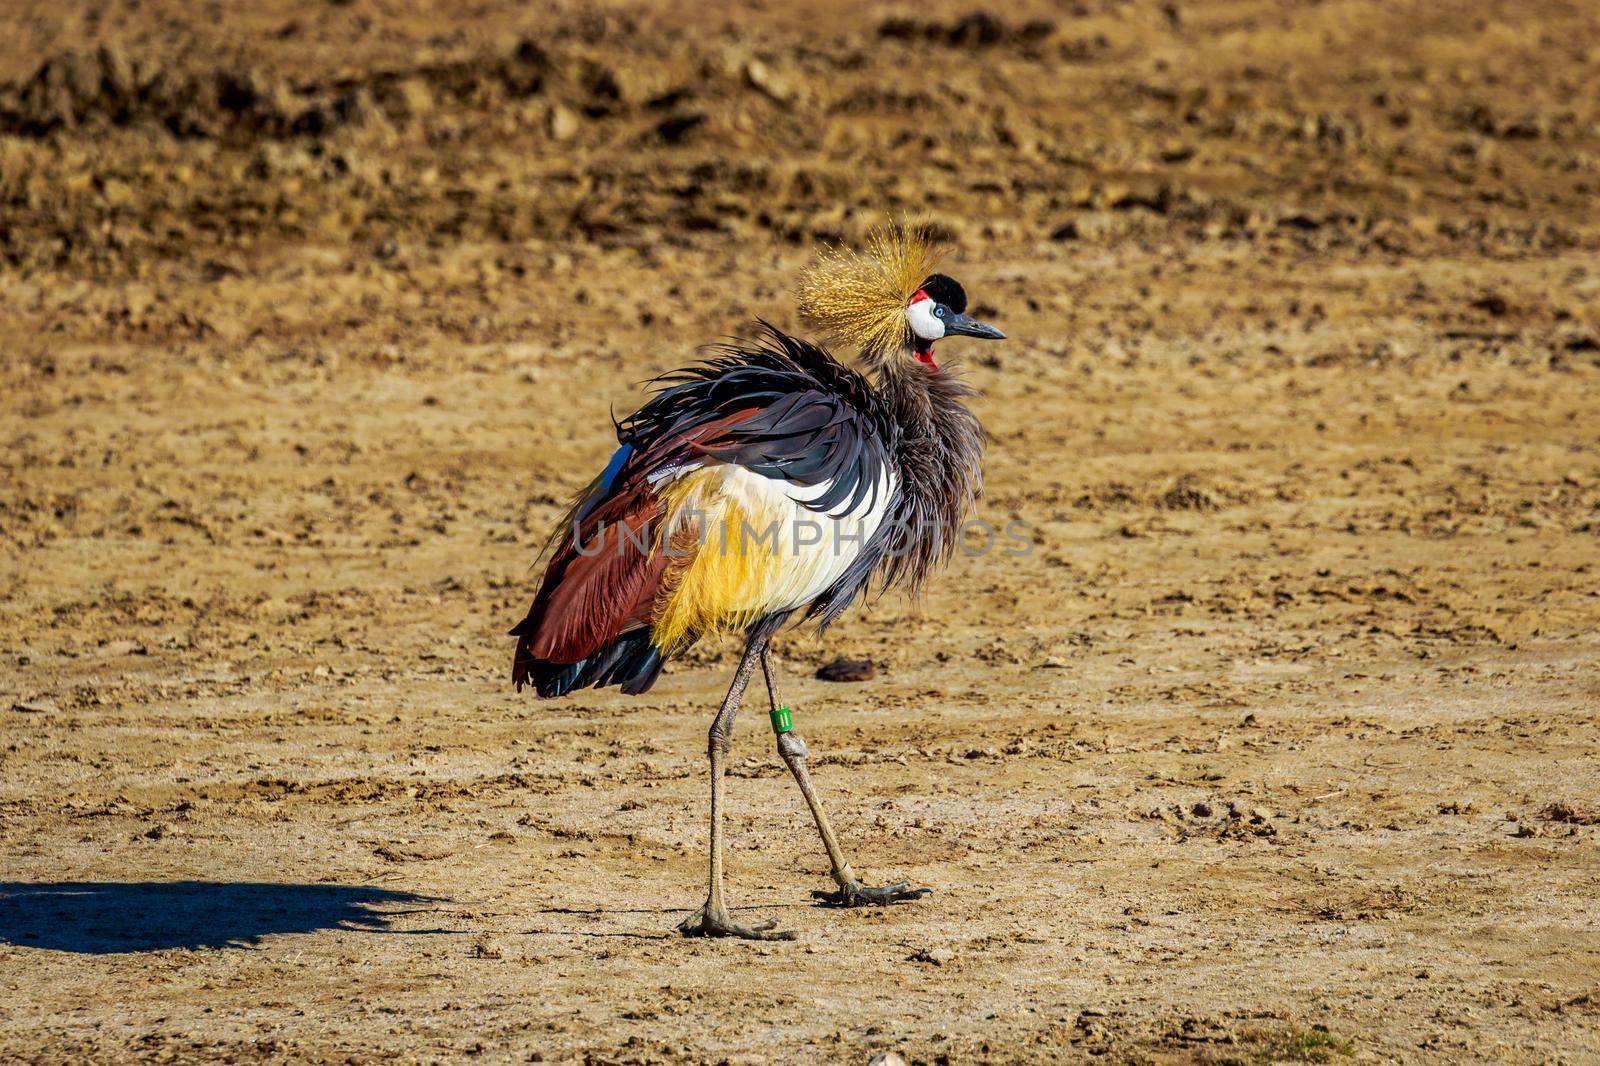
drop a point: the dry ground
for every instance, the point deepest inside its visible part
(1278, 745)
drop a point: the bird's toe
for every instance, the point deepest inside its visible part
(856, 895)
(711, 924)
(764, 931)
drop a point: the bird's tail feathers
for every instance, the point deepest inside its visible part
(631, 661)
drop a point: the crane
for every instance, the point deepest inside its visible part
(770, 482)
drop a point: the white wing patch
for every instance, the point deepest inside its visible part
(815, 548)
(796, 553)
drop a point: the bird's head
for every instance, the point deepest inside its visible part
(938, 309)
(887, 300)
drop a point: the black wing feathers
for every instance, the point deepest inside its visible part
(810, 420)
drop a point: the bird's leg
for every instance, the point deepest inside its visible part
(713, 919)
(851, 893)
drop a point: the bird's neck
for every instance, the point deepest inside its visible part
(941, 442)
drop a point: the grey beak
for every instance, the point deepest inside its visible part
(966, 326)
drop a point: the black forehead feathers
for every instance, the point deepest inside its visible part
(946, 290)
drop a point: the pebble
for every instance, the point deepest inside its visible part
(843, 669)
(563, 123)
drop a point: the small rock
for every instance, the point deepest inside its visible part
(485, 949)
(843, 669)
(563, 123)
(887, 1058)
(932, 956)
(763, 80)
(38, 706)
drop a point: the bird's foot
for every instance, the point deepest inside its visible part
(855, 894)
(717, 922)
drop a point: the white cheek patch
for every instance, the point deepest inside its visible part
(924, 323)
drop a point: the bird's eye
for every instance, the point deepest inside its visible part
(939, 310)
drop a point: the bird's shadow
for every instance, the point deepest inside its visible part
(110, 917)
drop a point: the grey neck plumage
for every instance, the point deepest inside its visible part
(938, 457)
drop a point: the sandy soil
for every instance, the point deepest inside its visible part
(1279, 745)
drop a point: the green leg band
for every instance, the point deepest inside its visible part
(781, 722)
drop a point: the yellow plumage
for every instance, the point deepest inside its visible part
(743, 548)
(729, 574)
(860, 297)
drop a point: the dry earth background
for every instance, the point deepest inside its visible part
(1280, 745)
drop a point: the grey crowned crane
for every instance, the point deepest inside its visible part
(772, 482)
